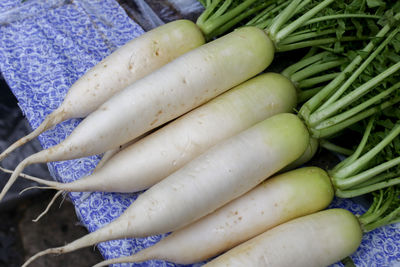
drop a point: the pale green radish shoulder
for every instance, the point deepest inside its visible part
(319, 239)
(311, 150)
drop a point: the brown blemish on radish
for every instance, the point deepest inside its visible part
(153, 122)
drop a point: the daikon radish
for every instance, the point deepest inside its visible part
(129, 63)
(275, 201)
(140, 57)
(159, 154)
(176, 88)
(319, 239)
(205, 184)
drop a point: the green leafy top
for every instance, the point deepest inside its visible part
(367, 85)
(384, 210)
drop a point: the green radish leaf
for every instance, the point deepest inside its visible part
(375, 3)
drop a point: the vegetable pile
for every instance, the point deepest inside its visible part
(203, 129)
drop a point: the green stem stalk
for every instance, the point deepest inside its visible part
(330, 106)
(379, 178)
(367, 189)
(317, 42)
(314, 102)
(341, 16)
(357, 109)
(306, 35)
(329, 131)
(307, 83)
(349, 182)
(357, 165)
(221, 29)
(305, 95)
(283, 17)
(360, 147)
(281, 34)
(316, 68)
(335, 148)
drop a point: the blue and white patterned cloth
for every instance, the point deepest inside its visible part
(44, 47)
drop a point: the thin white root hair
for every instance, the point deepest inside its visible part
(28, 177)
(48, 206)
(84, 197)
(44, 252)
(113, 261)
(52, 119)
(35, 187)
(23, 175)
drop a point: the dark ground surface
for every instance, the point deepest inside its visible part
(19, 236)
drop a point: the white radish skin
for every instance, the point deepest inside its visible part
(223, 173)
(275, 201)
(159, 154)
(174, 89)
(315, 240)
(110, 153)
(136, 59)
(129, 63)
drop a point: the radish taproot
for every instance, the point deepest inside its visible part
(176, 88)
(138, 58)
(165, 94)
(277, 200)
(129, 63)
(318, 239)
(159, 154)
(205, 184)
(144, 163)
(154, 157)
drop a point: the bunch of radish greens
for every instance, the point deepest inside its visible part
(373, 166)
(374, 163)
(216, 82)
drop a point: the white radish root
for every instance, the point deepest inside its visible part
(148, 161)
(165, 94)
(275, 201)
(208, 182)
(129, 63)
(315, 240)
